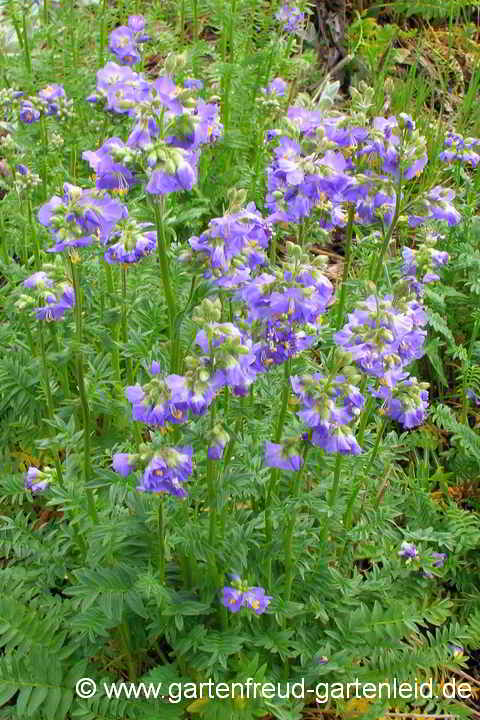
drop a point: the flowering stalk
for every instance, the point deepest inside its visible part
(48, 394)
(182, 21)
(124, 322)
(274, 473)
(161, 538)
(62, 370)
(115, 350)
(36, 242)
(332, 496)
(124, 636)
(81, 387)
(43, 125)
(388, 236)
(212, 491)
(346, 265)
(26, 46)
(163, 258)
(290, 529)
(347, 520)
(195, 19)
(101, 49)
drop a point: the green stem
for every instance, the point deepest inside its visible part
(347, 520)
(33, 230)
(362, 425)
(212, 490)
(274, 473)
(161, 538)
(182, 22)
(115, 350)
(44, 133)
(48, 394)
(101, 50)
(13, 18)
(45, 12)
(26, 47)
(195, 20)
(332, 496)
(125, 642)
(386, 241)
(289, 565)
(82, 391)
(164, 268)
(62, 370)
(374, 454)
(346, 265)
(124, 323)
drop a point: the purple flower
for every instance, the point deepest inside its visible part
(123, 463)
(55, 307)
(276, 87)
(291, 16)
(275, 457)
(472, 395)
(183, 177)
(161, 400)
(408, 550)
(34, 481)
(193, 84)
(241, 595)
(439, 559)
(131, 249)
(381, 337)
(121, 42)
(167, 471)
(49, 95)
(406, 402)
(216, 442)
(456, 650)
(329, 405)
(255, 599)
(232, 599)
(38, 280)
(28, 114)
(136, 23)
(461, 149)
(80, 217)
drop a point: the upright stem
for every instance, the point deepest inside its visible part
(26, 46)
(124, 322)
(195, 19)
(161, 538)
(212, 490)
(332, 497)
(388, 236)
(374, 454)
(62, 370)
(274, 473)
(101, 50)
(48, 394)
(115, 351)
(164, 268)
(125, 642)
(33, 230)
(44, 132)
(182, 21)
(347, 520)
(290, 529)
(83, 394)
(346, 265)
